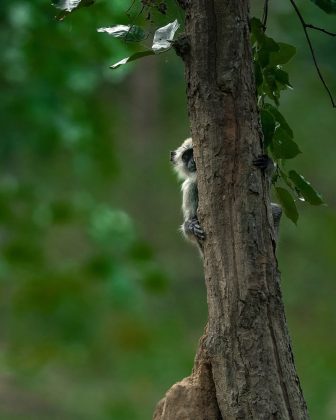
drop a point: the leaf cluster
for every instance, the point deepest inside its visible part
(162, 41)
(163, 36)
(271, 79)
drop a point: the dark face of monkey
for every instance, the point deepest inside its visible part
(187, 160)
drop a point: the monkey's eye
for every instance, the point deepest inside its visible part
(187, 155)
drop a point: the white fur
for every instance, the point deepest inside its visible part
(179, 165)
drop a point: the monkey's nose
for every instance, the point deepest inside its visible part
(192, 166)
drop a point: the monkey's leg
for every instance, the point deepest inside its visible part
(276, 213)
(191, 227)
(193, 231)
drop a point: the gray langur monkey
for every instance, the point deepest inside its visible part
(184, 164)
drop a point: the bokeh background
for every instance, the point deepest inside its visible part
(102, 303)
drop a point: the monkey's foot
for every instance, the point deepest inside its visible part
(263, 162)
(276, 213)
(192, 227)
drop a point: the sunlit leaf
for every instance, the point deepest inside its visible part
(67, 6)
(305, 188)
(128, 32)
(287, 202)
(329, 6)
(133, 57)
(164, 36)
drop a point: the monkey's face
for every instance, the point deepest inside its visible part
(188, 160)
(183, 160)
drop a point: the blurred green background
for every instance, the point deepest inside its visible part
(102, 303)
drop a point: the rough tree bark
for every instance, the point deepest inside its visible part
(244, 367)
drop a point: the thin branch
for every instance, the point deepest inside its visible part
(130, 7)
(265, 15)
(305, 26)
(309, 25)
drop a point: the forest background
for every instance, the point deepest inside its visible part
(102, 303)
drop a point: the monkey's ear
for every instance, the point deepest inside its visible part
(172, 156)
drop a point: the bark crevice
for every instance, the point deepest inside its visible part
(278, 365)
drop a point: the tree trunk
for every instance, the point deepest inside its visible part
(244, 368)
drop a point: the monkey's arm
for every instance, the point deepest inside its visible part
(191, 227)
(189, 199)
(266, 164)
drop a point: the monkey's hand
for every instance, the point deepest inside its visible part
(191, 227)
(264, 162)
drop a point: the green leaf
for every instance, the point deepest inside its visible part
(288, 204)
(258, 74)
(263, 57)
(133, 57)
(268, 126)
(305, 188)
(132, 33)
(67, 6)
(285, 53)
(329, 6)
(283, 147)
(269, 75)
(279, 118)
(282, 78)
(270, 45)
(270, 85)
(267, 47)
(272, 94)
(276, 79)
(285, 178)
(257, 30)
